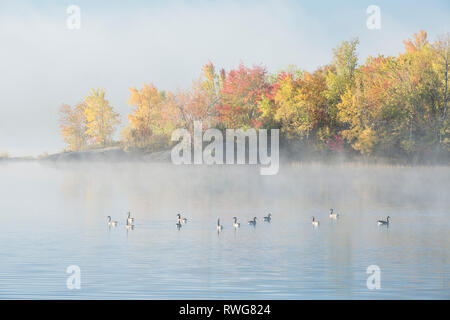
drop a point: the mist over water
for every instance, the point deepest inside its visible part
(54, 215)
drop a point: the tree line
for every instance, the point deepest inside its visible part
(390, 105)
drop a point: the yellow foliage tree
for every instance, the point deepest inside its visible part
(294, 120)
(153, 119)
(101, 120)
(352, 112)
(73, 126)
(302, 106)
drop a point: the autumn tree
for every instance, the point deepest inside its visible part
(357, 112)
(211, 83)
(240, 97)
(72, 122)
(200, 101)
(419, 85)
(101, 120)
(395, 103)
(389, 105)
(442, 49)
(301, 106)
(341, 73)
(294, 120)
(311, 98)
(154, 118)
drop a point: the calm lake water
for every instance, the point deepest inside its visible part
(54, 216)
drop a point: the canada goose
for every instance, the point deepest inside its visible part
(384, 222)
(178, 224)
(236, 224)
(314, 222)
(129, 226)
(111, 223)
(333, 215)
(268, 218)
(252, 222)
(180, 219)
(130, 220)
(219, 226)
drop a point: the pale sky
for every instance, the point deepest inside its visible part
(122, 44)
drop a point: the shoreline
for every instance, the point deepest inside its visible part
(117, 154)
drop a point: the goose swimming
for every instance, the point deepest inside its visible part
(268, 218)
(384, 222)
(236, 224)
(219, 226)
(315, 223)
(333, 215)
(252, 222)
(111, 223)
(181, 220)
(129, 226)
(130, 220)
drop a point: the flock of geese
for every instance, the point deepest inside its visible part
(181, 220)
(129, 225)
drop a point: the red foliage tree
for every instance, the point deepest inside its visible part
(242, 91)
